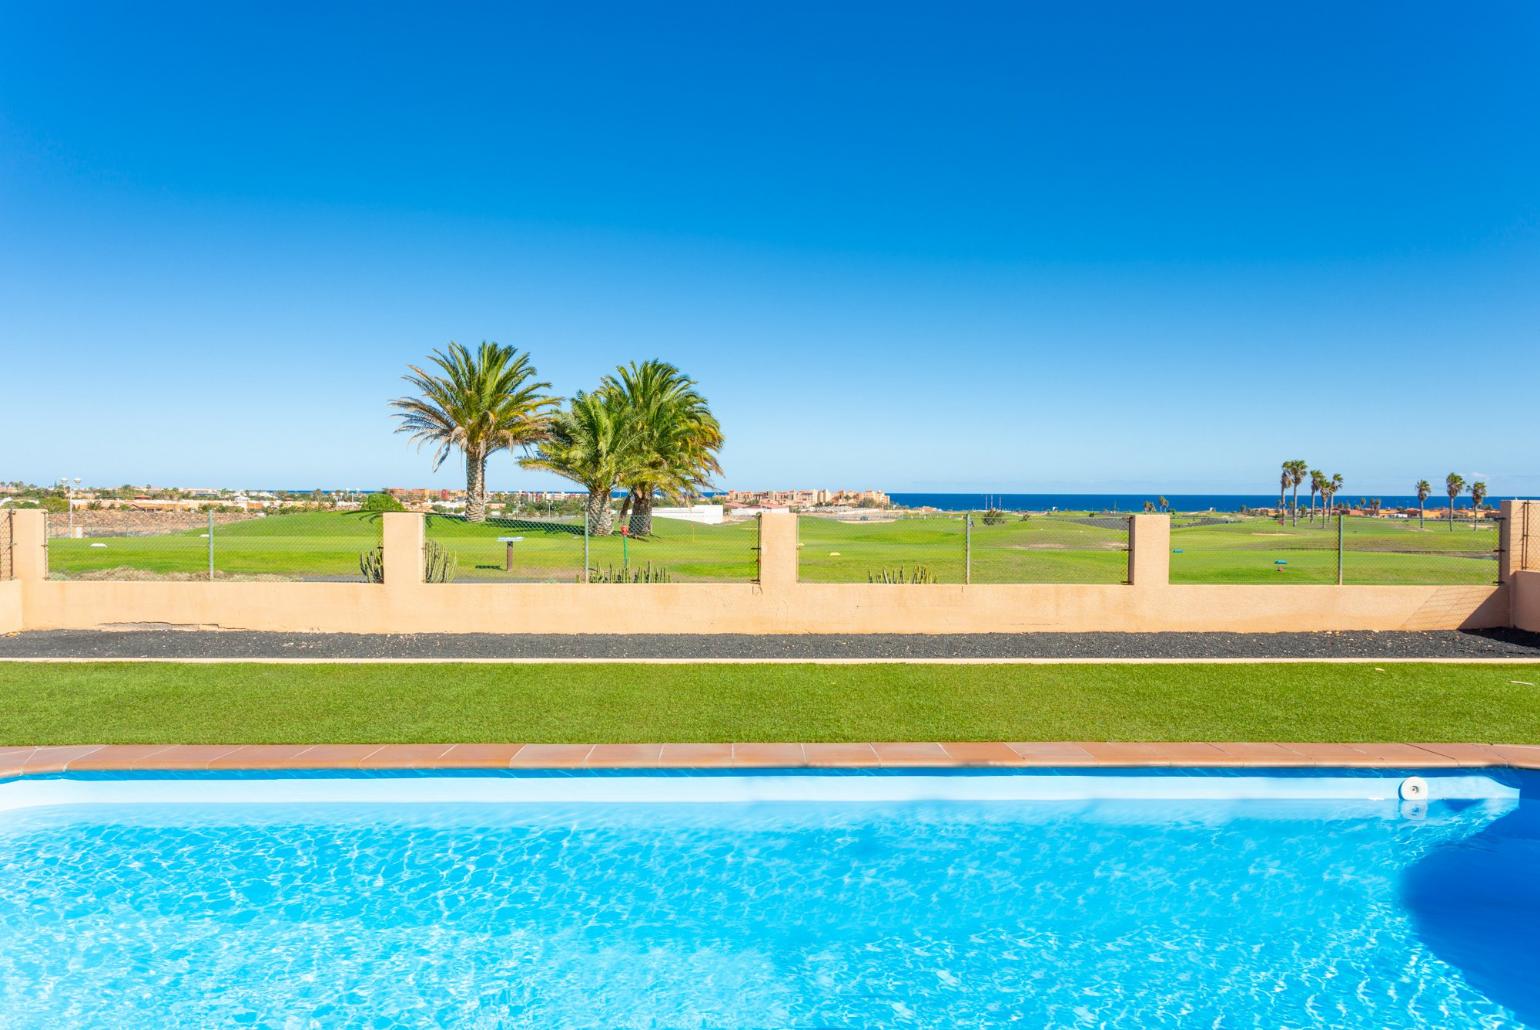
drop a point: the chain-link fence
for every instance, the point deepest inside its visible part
(678, 550)
(1397, 550)
(1056, 548)
(317, 545)
(560, 549)
(511, 550)
(1358, 549)
(986, 547)
(7, 545)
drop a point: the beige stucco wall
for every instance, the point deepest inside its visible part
(10, 606)
(779, 604)
(1526, 601)
(747, 608)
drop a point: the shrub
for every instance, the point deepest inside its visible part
(382, 501)
(994, 517)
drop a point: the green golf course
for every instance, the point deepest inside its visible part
(1039, 549)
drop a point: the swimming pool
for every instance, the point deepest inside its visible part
(848, 899)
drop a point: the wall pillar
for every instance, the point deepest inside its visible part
(1149, 550)
(777, 549)
(402, 540)
(30, 543)
(1519, 539)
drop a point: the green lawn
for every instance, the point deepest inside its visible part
(326, 545)
(67, 703)
(296, 546)
(1375, 551)
(1038, 550)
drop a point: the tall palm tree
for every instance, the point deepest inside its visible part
(1333, 485)
(1317, 486)
(1295, 471)
(676, 436)
(592, 443)
(1283, 494)
(1424, 491)
(477, 402)
(1478, 493)
(1453, 484)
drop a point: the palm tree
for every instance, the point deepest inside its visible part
(1283, 494)
(592, 443)
(1453, 484)
(1424, 491)
(1333, 485)
(1295, 471)
(676, 437)
(1317, 486)
(1478, 493)
(478, 403)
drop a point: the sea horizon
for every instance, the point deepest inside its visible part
(1134, 502)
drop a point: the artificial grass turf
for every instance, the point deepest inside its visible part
(124, 703)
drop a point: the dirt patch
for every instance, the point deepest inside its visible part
(123, 575)
(127, 522)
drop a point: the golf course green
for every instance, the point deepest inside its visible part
(1039, 549)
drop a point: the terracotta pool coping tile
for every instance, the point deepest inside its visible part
(902, 753)
(823, 754)
(752, 755)
(550, 756)
(1127, 752)
(696, 756)
(1523, 756)
(57, 758)
(1404, 754)
(478, 756)
(624, 756)
(1474, 755)
(1246, 753)
(188, 756)
(1330, 754)
(1051, 752)
(980, 752)
(262, 756)
(337, 756)
(406, 756)
(122, 756)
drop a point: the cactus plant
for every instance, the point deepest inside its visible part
(648, 573)
(919, 575)
(439, 565)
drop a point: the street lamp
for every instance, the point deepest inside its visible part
(69, 501)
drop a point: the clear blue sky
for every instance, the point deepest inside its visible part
(1013, 247)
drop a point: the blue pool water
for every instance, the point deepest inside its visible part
(1122, 913)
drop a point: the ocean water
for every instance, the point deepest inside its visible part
(936, 914)
(1135, 502)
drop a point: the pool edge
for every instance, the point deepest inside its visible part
(20, 761)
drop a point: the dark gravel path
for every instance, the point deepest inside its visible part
(238, 644)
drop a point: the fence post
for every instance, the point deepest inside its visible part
(1149, 550)
(211, 546)
(1340, 517)
(587, 565)
(967, 549)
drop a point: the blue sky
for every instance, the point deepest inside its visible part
(1008, 247)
